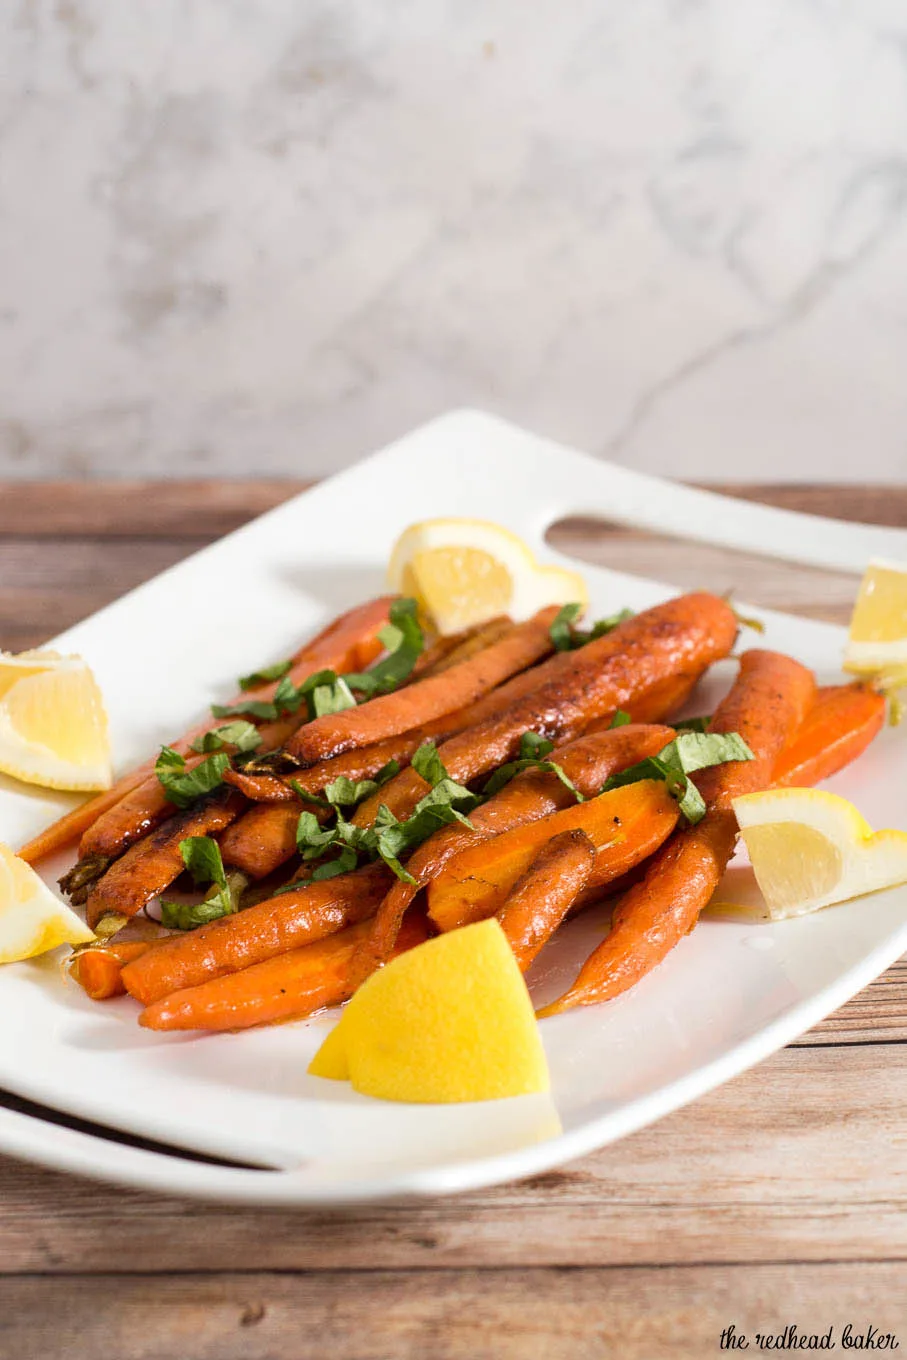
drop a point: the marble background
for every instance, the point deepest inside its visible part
(261, 237)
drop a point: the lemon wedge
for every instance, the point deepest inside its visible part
(878, 626)
(32, 919)
(53, 725)
(465, 571)
(448, 1021)
(810, 848)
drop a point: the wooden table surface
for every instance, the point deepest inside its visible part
(779, 1199)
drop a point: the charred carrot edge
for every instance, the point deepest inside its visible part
(99, 970)
(152, 864)
(272, 927)
(422, 702)
(766, 705)
(289, 987)
(838, 728)
(539, 901)
(626, 825)
(348, 642)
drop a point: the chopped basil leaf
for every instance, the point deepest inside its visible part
(265, 675)
(692, 724)
(183, 786)
(620, 719)
(345, 861)
(331, 696)
(202, 857)
(311, 838)
(533, 749)
(427, 763)
(566, 638)
(561, 630)
(240, 734)
(404, 642)
(603, 626)
(688, 752)
(347, 793)
(287, 699)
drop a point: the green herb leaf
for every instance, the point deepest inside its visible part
(287, 699)
(688, 752)
(202, 857)
(427, 763)
(343, 864)
(311, 838)
(533, 749)
(404, 642)
(183, 786)
(240, 734)
(692, 724)
(331, 696)
(348, 793)
(620, 719)
(561, 630)
(603, 626)
(265, 675)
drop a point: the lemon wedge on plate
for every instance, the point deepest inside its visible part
(53, 725)
(878, 626)
(810, 848)
(32, 919)
(465, 571)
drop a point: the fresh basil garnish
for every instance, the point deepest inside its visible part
(183, 786)
(244, 736)
(265, 675)
(566, 638)
(202, 857)
(688, 752)
(620, 719)
(533, 750)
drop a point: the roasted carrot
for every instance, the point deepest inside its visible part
(765, 706)
(350, 642)
(543, 895)
(151, 865)
(465, 645)
(99, 970)
(289, 987)
(567, 693)
(837, 728)
(587, 762)
(625, 825)
(422, 702)
(262, 839)
(275, 926)
(681, 637)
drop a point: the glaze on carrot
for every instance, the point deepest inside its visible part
(152, 864)
(262, 839)
(765, 706)
(541, 898)
(275, 926)
(422, 702)
(681, 637)
(99, 971)
(626, 825)
(838, 728)
(289, 987)
(349, 642)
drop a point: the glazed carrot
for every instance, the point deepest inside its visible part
(838, 728)
(262, 839)
(566, 694)
(766, 705)
(422, 702)
(151, 865)
(100, 971)
(147, 806)
(681, 637)
(350, 642)
(587, 762)
(272, 927)
(542, 897)
(290, 987)
(625, 825)
(466, 645)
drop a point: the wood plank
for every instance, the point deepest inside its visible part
(207, 509)
(675, 1314)
(800, 1158)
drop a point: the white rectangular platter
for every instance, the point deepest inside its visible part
(728, 995)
